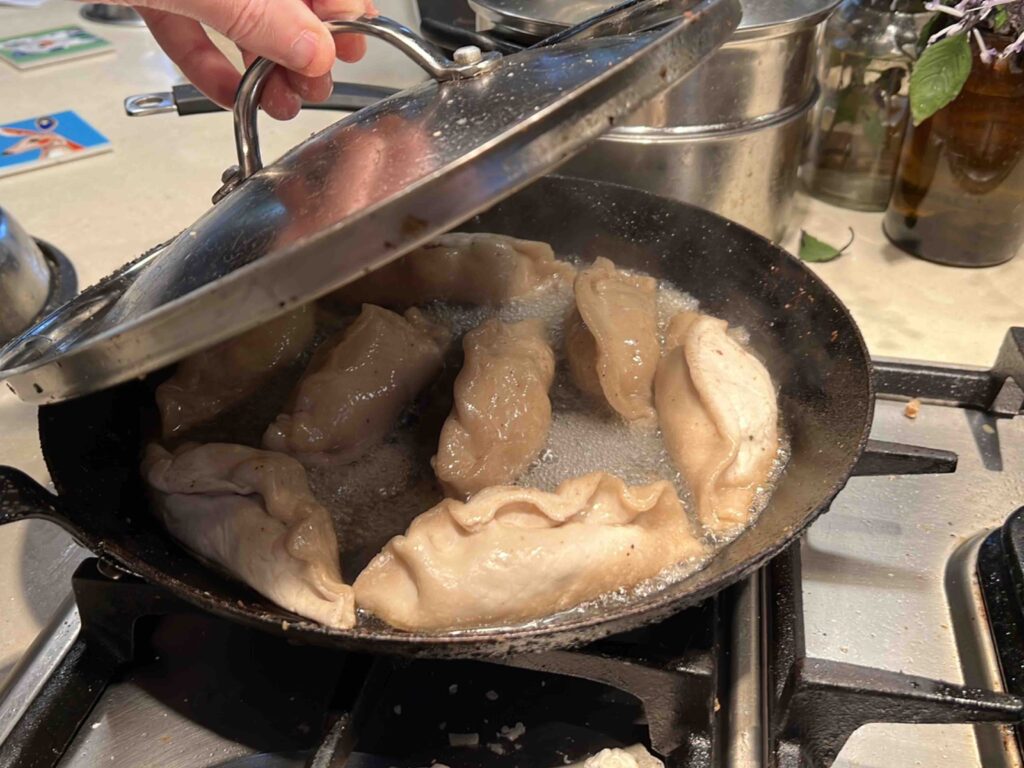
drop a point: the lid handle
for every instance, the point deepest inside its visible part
(468, 62)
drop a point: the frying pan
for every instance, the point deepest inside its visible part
(806, 337)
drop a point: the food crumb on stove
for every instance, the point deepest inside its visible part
(491, 695)
(514, 732)
(453, 689)
(988, 429)
(843, 649)
(496, 747)
(94, 726)
(398, 709)
(913, 408)
(464, 739)
(284, 625)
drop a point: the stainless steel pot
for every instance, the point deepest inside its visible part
(729, 137)
(24, 279)
(746, 172)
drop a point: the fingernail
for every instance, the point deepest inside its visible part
(303, 51)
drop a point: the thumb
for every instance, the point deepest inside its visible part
(285, 31)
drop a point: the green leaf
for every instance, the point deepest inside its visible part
(849, 101)
(814, 250)
(874, 130)
(938, 76)
(1001, 18)
(930, 28)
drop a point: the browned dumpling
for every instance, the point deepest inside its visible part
(462, 268)
(357, 385)
(218, 378)
(512, 554)
(718, 416)
(612, 338)
(501, 416)
(252, 513)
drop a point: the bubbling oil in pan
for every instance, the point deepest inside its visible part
(377, 496)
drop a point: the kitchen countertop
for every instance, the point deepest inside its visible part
(105, 210)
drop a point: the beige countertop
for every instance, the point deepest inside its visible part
(105, 210)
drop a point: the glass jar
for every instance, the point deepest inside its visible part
(959, 192)
(858, 123)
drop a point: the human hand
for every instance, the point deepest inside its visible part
(289, 32)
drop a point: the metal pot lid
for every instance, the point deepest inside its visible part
(540, 18)
(365, 190)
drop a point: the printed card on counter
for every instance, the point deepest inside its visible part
(47, 140)
(50, 45)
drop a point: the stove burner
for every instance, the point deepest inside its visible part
(733, 669)
(1001, 575)
(667, 685)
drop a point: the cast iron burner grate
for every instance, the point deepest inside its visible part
(666, 686)
(682, 687)
(1001, 575)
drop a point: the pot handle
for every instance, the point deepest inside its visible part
(469, 61)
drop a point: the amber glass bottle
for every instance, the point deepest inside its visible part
(959, 192)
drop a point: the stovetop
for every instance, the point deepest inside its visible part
(854, 625)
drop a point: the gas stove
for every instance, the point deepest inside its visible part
(892, 635)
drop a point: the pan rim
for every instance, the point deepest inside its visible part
(490, 642)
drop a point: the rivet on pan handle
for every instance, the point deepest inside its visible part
(469, 61)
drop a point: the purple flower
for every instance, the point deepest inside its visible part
(971, 14)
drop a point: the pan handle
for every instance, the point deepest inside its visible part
(22, 498)
(882, 457)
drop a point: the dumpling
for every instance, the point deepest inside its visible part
(718, 416)
(462, 268)
(502, 413)
(635, 756)
(511, 554)
(612, 338)
(218, 378)
(357, 385)
(252, 513)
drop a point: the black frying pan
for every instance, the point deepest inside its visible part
(806, 336)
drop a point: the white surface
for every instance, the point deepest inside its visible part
(105, 210)
(907, 307)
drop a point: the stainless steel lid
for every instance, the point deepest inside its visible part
(540, 18)
(365, 190)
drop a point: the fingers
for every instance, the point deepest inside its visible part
(279, 99)
(188, 45)
(310, 88)
(288, 32)
(342, 9)
(349, 48)
(285, 31)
